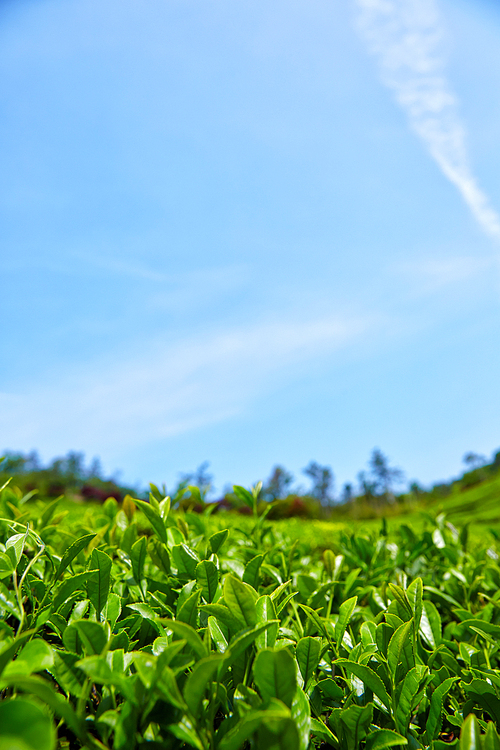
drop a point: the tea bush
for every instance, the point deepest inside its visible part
(193, 636)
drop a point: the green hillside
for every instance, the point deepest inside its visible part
(479, 505)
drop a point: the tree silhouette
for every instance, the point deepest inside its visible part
(384, 476)
(473, 460)
(322, 480)
(278, 483)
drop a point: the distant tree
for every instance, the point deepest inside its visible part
(95, 469)
(13, 463)
(33, 462)
(199, 478)
(415, 488)
(74, 466)
(278, 483)
(70, 468)
(384, 476)
(473, 461)
(322, 482)
(367, 487)
(347, 493)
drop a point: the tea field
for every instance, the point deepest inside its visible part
(130, 626)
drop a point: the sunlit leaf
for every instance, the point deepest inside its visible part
(24, 726)
(275, 675)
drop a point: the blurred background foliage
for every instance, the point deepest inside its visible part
(379, 493)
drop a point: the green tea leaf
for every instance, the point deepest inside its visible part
(99, 580)
(185, 631)
(154, 518)
(24, 726)
(396, 645)
(207, 577)
(167, 684)
(67, 674)
(352, 724)
(301, 715)
(241, 598)
(251, 574)
(98, 669)
(244, 495)
(411, 686)
(9, 651)
(216, 541)
(323, 732)
(345, 613)
(235, 738)
(72, 552)
(68, 587)
(113, 609)
(47, 514)
(188, 611)
(329, 562)
(198, 681)
(126, 725)
(278, 734)
(484, 694)
(87, 635)
(434, 719)
(442, 595)
(138, 559)
(330, 689)
(401, 597)
(185, 732)
(308, 654)
(315, 619)
(382, 738)
(265, 611)
(383, 635)
(430, 624)
(284, 602)
(159, 555)
(186, 560)
(7, 566)
(491, 740)
(470, 735)
(35, 656)
(15, 546)
(54, 700)
(275, 595)
(217, 635)
(244, 639)
(224, 615)
(275, 675)
(368, 677)
(414, 594)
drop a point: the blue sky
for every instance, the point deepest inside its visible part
(250, 233)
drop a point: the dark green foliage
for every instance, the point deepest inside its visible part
(67, 475)
(202, 638)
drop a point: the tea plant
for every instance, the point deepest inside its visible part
(191, 637)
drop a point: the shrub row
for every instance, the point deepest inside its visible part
(198, 637)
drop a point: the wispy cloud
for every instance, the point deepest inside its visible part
(407, 38)
(429, 275)
(166, 390)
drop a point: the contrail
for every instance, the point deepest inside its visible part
(406, 36)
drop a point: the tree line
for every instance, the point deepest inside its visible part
(379, 484)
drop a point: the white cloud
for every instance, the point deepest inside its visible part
(167, 390)
(407, 37)
(429, 275)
